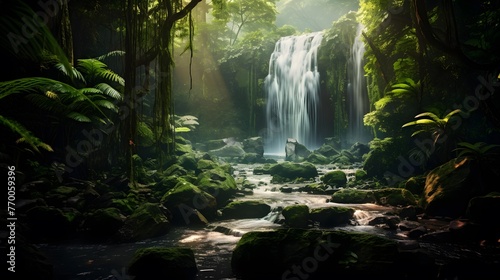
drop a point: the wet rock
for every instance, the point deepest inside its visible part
(148, 221)
(185, 200)
(335, 178)
(284, 253)
(245, 210)
(219, 183)
(353, 196)
(163, 263)
(294, 151)
(289, 171)
(332, 216)
(102, 224)
(296, 215)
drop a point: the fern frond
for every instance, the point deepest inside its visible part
(109, 91)
(106, 104)
(26, 135)
(78, 117)
(110, 54)
(111, 76)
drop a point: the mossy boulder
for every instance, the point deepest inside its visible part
(360, 174)
(317, 158)
(163, 263)
(291, 171)
(415, 184)
(291, 253)
(447, 190)
(484, 210)
(395, 197)
(102, 224)
(263, 169)
(188, 161)
(147, 221)
(185, 201)
(48, 223)
(296, 215)
(219, 183)
(327, 150)
(332, 216)
(245, 209)
(335, 178)
(205, 164)
(353, 196)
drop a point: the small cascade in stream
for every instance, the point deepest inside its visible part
(357, 90)
(292, 87)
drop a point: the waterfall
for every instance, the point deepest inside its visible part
(358, 96)
(292, 87)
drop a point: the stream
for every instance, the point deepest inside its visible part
(212, 244)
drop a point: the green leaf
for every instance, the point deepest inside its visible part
(182, 129)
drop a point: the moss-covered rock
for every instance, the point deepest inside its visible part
(292, 253)
(205, 164)
(484, 210)
(188, 161)
(354, 196)
(335, 178)
(332, 216)
(263, 169)
(47, 224)
(415, 184)
(317, 158)
(296, 215)
(163, 263)
(147, 221)
(219, 183)
(395, 197)
(292, 171)
(360, 174)
(185, 201)
(245, 209)
(327, 151)
(102, 224)
(447, 191)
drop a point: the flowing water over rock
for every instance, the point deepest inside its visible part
(292, 87)
(358, 94)
(213, 244)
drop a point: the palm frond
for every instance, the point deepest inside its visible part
(451, 114)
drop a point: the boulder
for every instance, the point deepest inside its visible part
(103, 224)
(296, 215)
(254, 145)
(353, 196)
(447, 190)
(245, 210)
(219, 183)
(335, 178)
(186, 202)
(292, 171)
(294, 151)
(314, 254)
(332, 216)
(148, 221)
(163, 263)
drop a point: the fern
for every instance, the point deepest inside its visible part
(26, 135)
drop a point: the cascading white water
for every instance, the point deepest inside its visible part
(358, 97)
(292, 87)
